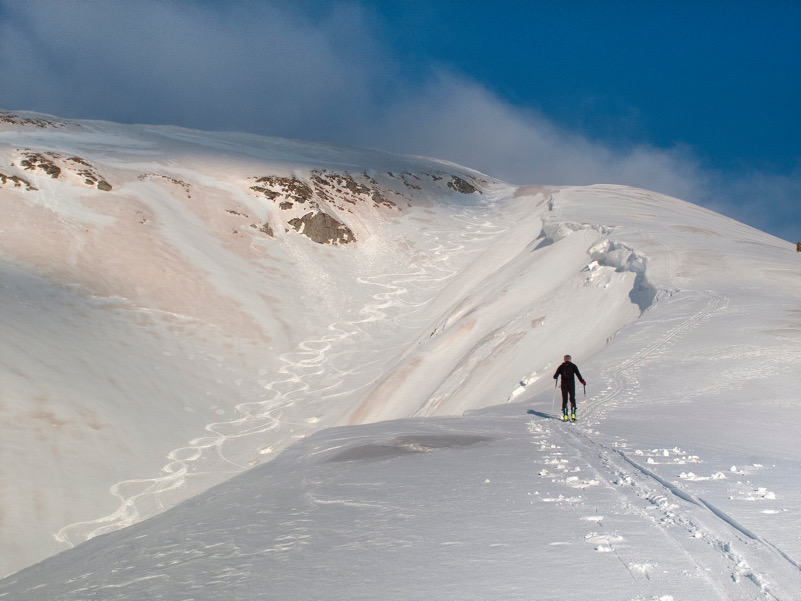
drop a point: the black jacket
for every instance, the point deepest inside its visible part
(567, 370)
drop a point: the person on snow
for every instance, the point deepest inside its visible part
(568, 371)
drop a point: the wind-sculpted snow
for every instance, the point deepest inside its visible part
(623, 258)
(177, 332)
(204, 336)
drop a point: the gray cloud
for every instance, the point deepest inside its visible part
(459, 120)
(251, 66)
(301, 71)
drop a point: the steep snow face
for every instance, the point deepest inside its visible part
(185, 323)
(167, 293)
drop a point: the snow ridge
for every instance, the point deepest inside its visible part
(292, 368)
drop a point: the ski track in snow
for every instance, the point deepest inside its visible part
(623, 377)
(732, 560)
(311, 364)
(741, 558)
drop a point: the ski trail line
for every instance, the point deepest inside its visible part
(618, 375)
(697, 515)
(734, 561)
(561, 445)
(308, 374)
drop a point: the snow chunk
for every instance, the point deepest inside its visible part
(622, 257)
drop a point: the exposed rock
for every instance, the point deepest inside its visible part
(33, 161)
(322, 228)
(379, 199)
(17, 181)
(266, 192)
(461, 186)
(288, 187)
(347, 188)
(14, 119)
(264, 228)
(89, 174)
(47, 162)
(81, 161)
(178, 182)
(405, 176)
(311, 204)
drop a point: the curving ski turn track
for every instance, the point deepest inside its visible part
(309, 379)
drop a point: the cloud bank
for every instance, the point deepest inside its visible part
(320, 72)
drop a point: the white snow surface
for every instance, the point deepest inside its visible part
(205, 408)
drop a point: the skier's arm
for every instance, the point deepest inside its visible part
(578, 373)
(556, 374)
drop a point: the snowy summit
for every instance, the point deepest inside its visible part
(236, 367)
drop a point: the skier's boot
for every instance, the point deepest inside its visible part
(564, 416)
(573, 416)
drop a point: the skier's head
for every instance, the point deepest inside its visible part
(567, 357)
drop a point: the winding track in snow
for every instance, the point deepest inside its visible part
(309, 374)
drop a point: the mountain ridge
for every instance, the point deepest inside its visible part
(178, 327)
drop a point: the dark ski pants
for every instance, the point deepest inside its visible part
(571, 391)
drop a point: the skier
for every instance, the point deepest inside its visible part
(568, 370)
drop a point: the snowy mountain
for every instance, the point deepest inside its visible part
(183, 309)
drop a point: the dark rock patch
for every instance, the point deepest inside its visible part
(14, 119)
(33, 161)
(290, 188)
(47, 162)
(178, 182)
(461, 186)
(264, 228)
(333, 186)
(17, 181)
(322, 228)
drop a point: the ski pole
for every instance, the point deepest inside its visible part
(585, 393)
(553, 405)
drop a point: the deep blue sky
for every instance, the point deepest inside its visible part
(695, 99)
(724, 77)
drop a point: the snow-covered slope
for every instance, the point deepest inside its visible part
(218, 297)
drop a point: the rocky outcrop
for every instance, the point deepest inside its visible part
(317, 206)
(333, 187)
(14, 119)
(48, 162)
(173, 180)
(286, 188)
(322, 228)
(305, 201)
(33, 161)
(264, 228)
(17, 181)
(87, 171)
(462, 186)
